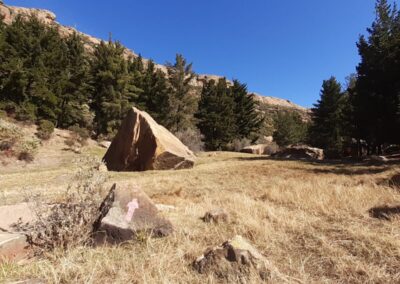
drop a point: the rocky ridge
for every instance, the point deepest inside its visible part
(49, 18)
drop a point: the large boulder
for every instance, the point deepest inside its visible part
(126, 213)
(235, 259)
(301, 152)
(142, 144)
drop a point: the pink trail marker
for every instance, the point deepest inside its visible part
(132, 206)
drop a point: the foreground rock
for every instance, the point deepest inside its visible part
(126, 213)
(216, 216)
(300, 152)
(234, 259)
(13, 247)
(12, 215)
(142, 144)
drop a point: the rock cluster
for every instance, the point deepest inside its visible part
(300, 152)
(141, 144)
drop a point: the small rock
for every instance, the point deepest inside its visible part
(216, 216)
(13, 247)
(165, 208)
(380, 159)
(105, 144)
(236, 258)
(126, 213)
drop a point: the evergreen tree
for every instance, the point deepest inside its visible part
(328, 130)
(74, 86)
(113, 89)
(289, 129)
(376, 95)
(216, 119)
(248, 119)
(182, 102)
(31, 68)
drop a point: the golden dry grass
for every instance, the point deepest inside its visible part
(310, 220)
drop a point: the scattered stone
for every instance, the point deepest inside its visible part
(216, 216)
(165, 208)
(126, 213)
(105, 144)
(30, 281)
(260, 149)
(379, 159)
(13, 247)
(235, 258)
(141, 144)
(301, 152)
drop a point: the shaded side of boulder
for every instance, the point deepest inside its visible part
(301, 152)
(142, 144)
(126, 213)
(234, 259)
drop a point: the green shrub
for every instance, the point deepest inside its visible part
(45, 129)
(80, 135)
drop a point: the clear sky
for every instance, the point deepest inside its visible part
(279, 48)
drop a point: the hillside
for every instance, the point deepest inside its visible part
(267, 103)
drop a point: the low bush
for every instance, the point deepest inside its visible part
(69, 223)
(192, 138)
(45, 129)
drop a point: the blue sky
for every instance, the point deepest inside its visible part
(279, 48)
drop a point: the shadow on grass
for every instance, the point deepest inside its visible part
(341, 167)
(384, 212)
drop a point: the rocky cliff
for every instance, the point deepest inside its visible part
(10, 13)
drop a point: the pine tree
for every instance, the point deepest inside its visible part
(376, 95)
(113, 89)
(182, 103)
(216, 119)
(248, 119)
(289, 129)
(74, 86)
(328, 130)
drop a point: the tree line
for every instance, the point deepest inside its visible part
(362, 117)
(46, 77)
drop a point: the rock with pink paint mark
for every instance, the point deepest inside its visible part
(126, 213)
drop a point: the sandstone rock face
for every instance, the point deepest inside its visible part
(13, 247)
(142, 144)
(260, 149)
(301, 152)
(216, 216)
(235, 258)
(126, 213)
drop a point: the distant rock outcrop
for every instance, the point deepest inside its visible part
(141, 144)
(300, 152)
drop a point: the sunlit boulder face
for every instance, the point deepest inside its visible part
(141, 144)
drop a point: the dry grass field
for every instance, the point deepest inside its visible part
(310, 220)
